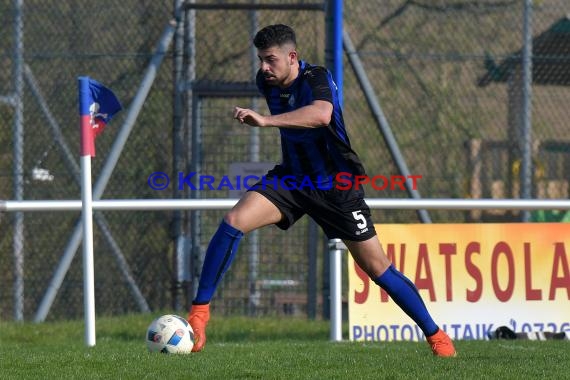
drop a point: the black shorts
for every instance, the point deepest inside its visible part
(342, 214)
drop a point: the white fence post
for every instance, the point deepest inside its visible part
(336, 250)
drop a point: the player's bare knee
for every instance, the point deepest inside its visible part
(232, 218)
(240, 220)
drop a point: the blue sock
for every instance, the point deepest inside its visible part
(220, 254)
(406, 295)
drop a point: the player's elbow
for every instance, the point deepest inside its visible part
(324, 119)
(322, 116)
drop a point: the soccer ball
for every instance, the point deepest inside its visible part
(170, 334)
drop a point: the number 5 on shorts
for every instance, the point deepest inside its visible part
(359, 217)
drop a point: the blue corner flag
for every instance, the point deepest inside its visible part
(97, 105)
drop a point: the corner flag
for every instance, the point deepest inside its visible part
(97, 105)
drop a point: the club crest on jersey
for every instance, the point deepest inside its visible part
(292, 100)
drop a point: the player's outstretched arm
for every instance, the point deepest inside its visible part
(315, 115)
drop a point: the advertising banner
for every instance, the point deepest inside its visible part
(473, 279)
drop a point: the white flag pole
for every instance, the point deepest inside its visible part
(88, 262)
(87, 151)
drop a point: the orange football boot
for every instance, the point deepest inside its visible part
(441, 344)
(198, 318)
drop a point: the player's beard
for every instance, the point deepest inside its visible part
(276, 80)
(271, 79)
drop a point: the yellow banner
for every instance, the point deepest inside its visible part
(473, 278)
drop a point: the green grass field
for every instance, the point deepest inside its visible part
(263, 348)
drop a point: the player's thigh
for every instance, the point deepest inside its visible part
(253, 211)
(369, 256)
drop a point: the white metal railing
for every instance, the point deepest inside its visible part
(221, 204)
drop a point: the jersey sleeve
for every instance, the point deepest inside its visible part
(320, 83)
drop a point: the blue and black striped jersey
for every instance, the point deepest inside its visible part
(317, 153)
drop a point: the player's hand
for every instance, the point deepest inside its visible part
(249, 117)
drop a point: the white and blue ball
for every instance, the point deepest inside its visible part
(170, 334)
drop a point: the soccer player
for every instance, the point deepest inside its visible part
(304, 105)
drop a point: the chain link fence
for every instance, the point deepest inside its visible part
(112, 42)
(448, 77)
(446, 73)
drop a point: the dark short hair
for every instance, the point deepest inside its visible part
(274, 35)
